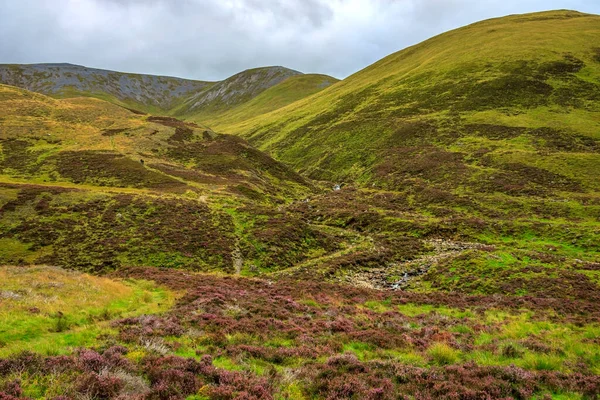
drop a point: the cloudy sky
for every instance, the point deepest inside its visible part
(213, 39)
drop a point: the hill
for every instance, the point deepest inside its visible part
(468, 160)
(286, 92)
(159, 94)
(504, 97)
(235, 90)
(467, 163)
(86, 184)
(448, 245)
(144, 92)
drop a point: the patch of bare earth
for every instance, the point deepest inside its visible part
(398, 276)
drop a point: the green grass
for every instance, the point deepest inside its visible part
(413, 310)
(442, 354)
(51, 311)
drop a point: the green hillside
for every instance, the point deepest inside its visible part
(516, 90)
(481, 142)
(90, 185)
(484, 136)
(288, 91)
(428, 228)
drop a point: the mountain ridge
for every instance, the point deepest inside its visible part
(148, 93)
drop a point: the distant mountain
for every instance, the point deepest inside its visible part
(236, 90)
(147, 93)
(277, 96)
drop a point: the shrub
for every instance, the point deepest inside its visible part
(442, 354)
(172, 377)
(132, 384)
(13, 388)
(91, 361)
(6, 396)
(22, 362)
(103, 385)
(61, 322)
(511, 351)
(58, 364)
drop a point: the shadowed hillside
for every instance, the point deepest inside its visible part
(144, 92)
(286, 92)
(235, 90)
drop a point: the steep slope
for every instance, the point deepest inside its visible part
(234, 91)
(515, 99)
(288, 91)
(480, 146)
(144, 92)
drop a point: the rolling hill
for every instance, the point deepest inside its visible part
(494, 98)
(428, 228)
(479, 140)
(487, 134)
(85, 183)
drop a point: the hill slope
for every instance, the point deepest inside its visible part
(144, 92)
(286, 92)
(482, 144)
(235, 90)
(89, 185)
(518, 95)
(466, 264)
(160, 94)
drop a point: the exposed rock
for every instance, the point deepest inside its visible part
(379, 278)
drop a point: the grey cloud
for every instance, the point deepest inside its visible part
(213, 39)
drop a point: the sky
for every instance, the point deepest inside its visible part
(214, 39)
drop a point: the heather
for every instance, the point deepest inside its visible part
(427, 228)
(231, 337)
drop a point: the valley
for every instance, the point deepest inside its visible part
(427, 228)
